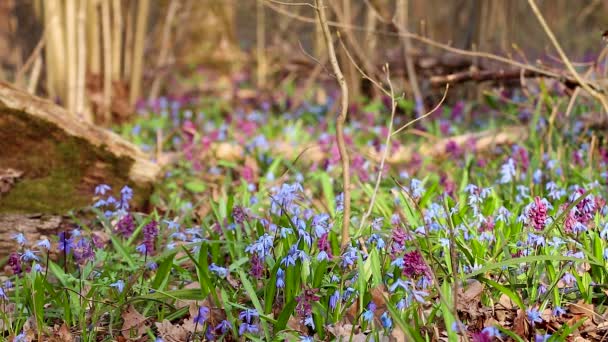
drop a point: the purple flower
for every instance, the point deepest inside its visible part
(126, 225)
(414, 264)
(239, 215)
(257, 267)
(15, 263)
(65, 243)
(202, 315)
(537, 213)
(150, 232)
(223, 327)
(83, 251)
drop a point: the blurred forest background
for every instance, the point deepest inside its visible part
(99, 57)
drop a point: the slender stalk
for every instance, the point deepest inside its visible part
(165, 47)
(340, 120)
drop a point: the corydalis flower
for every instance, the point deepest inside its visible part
(150, 232)
(537, 213)
(125, 225)
(414, 264)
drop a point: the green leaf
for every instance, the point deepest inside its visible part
(117, 244)
(523, 260)
(195, 186)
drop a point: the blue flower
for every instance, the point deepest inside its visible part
(558, 311)
(280, 278)
(416, 188)
(3, 295)
(44, 244)
(349, 257)
(20, 238)
(262, 246)
(307, 339)
(542, 338)
(119, 285)
(29, 255)
(142, 248)
(491, 331)
(101, 189)
(400, 283)
(221, 272)
(386, 320)
(534, 316)
(368, 315)
(247, 315)
(248, 328)
(333, 299)
(507, 171)
(20, 338)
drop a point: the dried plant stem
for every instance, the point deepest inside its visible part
(387, 147)
(427, 41)
(107, 60)
(340, 120)
(138, 50)
(598, 96)
(35, 76)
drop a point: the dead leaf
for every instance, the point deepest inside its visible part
(171, 332)
(520, 324)
(134, 323)
(582, 309)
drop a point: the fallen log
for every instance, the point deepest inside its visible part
(59, 159)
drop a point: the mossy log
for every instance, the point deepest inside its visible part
(59, 159)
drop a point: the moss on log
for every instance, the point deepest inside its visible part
(62, 158)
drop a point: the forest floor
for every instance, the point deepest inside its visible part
(488, 222)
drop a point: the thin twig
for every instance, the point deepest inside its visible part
(387, 147)
(601, 98)
(340, 120)
(428, 41)
(445, 94)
